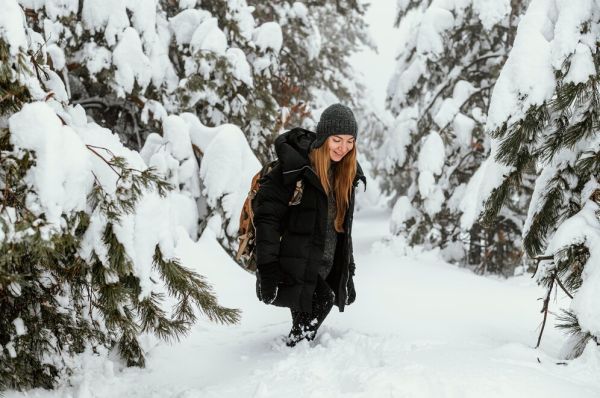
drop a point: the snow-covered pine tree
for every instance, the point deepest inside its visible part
(82, 264)
(122, 61)
(448, 61)
(215, 191)
(228, 74)
(544, 112)
(314, 72)
(574, 251)
(159, 72)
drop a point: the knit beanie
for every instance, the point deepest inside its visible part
(336, 119)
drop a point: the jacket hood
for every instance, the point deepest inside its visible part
(293, 147)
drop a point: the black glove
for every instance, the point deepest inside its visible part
(350, 286)
(270, 277)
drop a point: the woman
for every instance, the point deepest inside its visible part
(304, 243)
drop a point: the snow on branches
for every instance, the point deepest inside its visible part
(88, 243)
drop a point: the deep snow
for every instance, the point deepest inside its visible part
(419, 328)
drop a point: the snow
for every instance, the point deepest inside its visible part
(548, 34)
(582, 65)
(131, 63)
(32, 4)
(15, 289)
(96, 57)
(393, 152)
(401, 212)
(60, 8)
(449, 112)
(10, 347)
(62, 184)
(434, 199)
(268, 36)
(300, 10)
(185, 23)
(431, 156)
(488, 177)
(446, 113)
(12, 21)
(208, 37)
(242, 15)
(176, 135)
(463, 126)
(241, 68)
(542, 184)
(144, 18)
(491, 12)
(583, 228)
(110, 15)
(55, 85)
(173, 158)
(404, 80)
(462, 91)
(419, 328)
(426, 183)
(435, 21)
(568, 21)
(58, 180)
(314, 42)
(57, 55)
(227, 169)
(187, 3)
(19, 326)
(200, 134)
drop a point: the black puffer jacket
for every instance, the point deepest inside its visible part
(294, 236)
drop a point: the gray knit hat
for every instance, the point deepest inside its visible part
(336, 119)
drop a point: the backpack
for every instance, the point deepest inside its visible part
(246, 253)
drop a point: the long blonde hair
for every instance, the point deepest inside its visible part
(343, 178)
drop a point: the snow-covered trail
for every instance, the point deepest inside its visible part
(419, 328)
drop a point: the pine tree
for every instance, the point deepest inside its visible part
(119, 64)
(68, 278)
(549, 119)
(154, 71)
(314, 68)
(450, 58)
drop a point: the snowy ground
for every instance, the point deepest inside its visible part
(419, 328)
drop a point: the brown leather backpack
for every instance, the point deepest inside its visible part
(246, 253)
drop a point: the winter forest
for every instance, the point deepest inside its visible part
(130, 131)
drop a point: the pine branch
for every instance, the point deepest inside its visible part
(547, 217)
(545, 308)
(569, 323)
(520, 135)
(186, 284)
(539, 259)
(108, 163)
(587, 164)
(499, 195)
(154, 319)
(564, 289)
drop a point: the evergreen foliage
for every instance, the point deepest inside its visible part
(555, 134)
(12, 93)
(314, 68)
(558, 135)
(68, 303)
(440, 93)
(58, 299)
(172, 72)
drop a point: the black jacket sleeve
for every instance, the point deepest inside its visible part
(270, 211)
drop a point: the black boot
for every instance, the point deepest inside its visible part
(306, 324)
